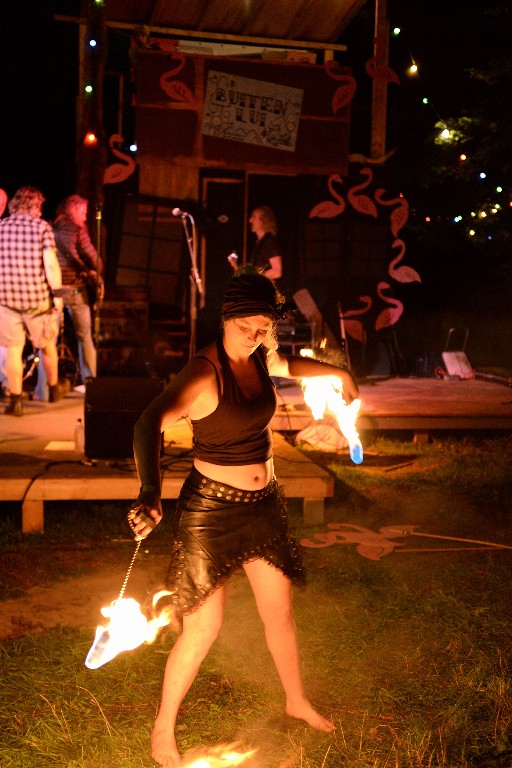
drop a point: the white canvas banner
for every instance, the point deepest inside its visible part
(251, 111)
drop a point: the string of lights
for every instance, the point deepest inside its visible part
(496, 197)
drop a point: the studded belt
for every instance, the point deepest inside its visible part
(212, 489)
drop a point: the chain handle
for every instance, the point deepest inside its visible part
(125, 582)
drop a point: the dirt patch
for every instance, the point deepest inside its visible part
(74, 601)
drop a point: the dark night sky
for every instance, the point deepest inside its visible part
(38, 68)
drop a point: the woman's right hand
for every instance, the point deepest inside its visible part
(145, 514)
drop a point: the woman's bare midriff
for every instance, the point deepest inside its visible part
(249, 477)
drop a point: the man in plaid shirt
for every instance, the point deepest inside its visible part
(30, 292)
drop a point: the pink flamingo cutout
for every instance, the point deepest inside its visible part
(399, 215)
(379, 71)
(391, 314)
(362, 203)
(176, 89)
(117, 172)
(327, 209)
(355, 328)
(344, 94)
(403, 274)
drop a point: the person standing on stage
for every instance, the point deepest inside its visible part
(266, 253)
(3, 351)
(30, 292)
(80, 265)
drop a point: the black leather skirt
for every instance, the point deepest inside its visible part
(217, 528)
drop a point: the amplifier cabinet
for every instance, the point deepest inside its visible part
(112, 406)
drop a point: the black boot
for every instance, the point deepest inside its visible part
(14, 408)
(55, 393)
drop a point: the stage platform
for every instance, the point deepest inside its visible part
(38, 461)
(418, 405)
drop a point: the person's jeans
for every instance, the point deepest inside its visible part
(75, 303)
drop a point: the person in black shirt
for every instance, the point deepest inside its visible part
(266, 253)
(230, 513)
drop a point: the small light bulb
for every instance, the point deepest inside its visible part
(413, 69)
(499, 189)
(133, 147)
(88, 88)
(463, 157)
(396, 31)
(445, 133)
(425, 100)
(471, 232)
(92, 43)
(482, 175)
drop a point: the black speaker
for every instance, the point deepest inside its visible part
(112, 406)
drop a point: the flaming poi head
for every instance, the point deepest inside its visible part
(126, 629)
(221, 756)
(324, 394)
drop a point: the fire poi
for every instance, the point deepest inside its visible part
(127, 627)
(325, 394)
(221, 756)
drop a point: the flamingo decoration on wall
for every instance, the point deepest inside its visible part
(392, 313)
(377, 69)
(176, 89)
(355, 328)
(343, 94)
(362, 203)
(327, 209)
(399, 215)
(117, 172)
(403, 274)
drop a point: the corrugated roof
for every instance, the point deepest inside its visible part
(317, 21)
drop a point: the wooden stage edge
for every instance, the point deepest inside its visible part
(38, 462)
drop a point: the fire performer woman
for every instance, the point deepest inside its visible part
(230, 512)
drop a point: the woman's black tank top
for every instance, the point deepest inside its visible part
(238, 431)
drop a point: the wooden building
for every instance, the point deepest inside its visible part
(229, 105)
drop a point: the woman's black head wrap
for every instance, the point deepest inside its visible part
(249, 294)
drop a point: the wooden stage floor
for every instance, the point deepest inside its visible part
(414, 404)
(38, 461)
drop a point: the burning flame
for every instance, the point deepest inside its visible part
(325, 393)
(221, 756)
(127, 628)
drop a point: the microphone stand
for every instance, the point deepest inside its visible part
(196, 286)
(98, 301)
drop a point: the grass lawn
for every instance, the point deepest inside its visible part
(409, 654)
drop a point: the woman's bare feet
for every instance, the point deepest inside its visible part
(304, 711)
(164, 749)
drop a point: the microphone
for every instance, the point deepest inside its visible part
(179, 212)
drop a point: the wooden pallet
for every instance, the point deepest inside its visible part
(67, 480)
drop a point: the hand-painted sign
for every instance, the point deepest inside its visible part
(251, 111)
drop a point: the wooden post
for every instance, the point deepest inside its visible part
(380, 88)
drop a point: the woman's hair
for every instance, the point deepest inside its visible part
(250, 294)
(268, 218)
(68, 203)
(27, 200)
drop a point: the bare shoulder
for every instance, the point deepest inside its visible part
(191, 388)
